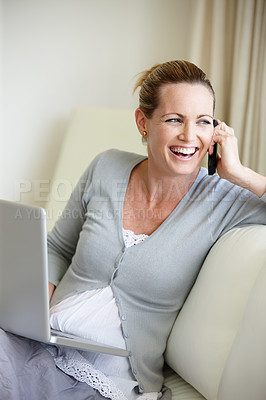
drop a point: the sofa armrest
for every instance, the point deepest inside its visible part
(223, 321)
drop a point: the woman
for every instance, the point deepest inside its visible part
(132, 239)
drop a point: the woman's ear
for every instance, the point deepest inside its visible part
(140, 120)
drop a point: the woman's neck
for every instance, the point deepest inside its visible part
(158, 188)
(150, 198)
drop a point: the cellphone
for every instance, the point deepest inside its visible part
(212, 160)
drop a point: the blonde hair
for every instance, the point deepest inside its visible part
(178, 71)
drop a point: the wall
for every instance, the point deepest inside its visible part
(59, 54)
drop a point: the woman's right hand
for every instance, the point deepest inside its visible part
(51, 290)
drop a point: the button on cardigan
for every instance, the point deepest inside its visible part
(151, 280)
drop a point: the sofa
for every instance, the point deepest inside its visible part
(217, 347)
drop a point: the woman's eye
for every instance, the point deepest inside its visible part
(205, 122)
(176, 120)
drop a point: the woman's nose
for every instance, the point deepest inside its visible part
(188, 132)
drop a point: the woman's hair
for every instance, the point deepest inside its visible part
(178, 71)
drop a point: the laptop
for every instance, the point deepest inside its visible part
(24, 292)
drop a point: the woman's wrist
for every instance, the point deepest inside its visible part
(51, 290)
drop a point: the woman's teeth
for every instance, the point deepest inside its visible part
(183, 151)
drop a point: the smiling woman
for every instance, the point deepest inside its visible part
(176, 107)
(160, 206)
(178, 133)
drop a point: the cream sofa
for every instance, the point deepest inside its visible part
(217, 348)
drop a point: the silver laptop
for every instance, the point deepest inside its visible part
(24, 298)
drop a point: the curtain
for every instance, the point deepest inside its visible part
(228, 41)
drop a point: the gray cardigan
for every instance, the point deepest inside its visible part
(150, 281)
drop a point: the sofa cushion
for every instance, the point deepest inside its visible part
(223, 321)
(181, 390)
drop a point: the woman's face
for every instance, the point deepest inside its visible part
(180, 130)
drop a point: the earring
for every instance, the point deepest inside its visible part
(144, 133)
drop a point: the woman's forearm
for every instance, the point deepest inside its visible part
(256, 183)
(251, 180)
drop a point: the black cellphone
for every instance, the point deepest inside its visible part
(212, 160)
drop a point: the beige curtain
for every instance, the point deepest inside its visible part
(229, 43)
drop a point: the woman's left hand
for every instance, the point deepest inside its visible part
(228, 163)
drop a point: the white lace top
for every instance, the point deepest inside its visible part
(93, 314)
